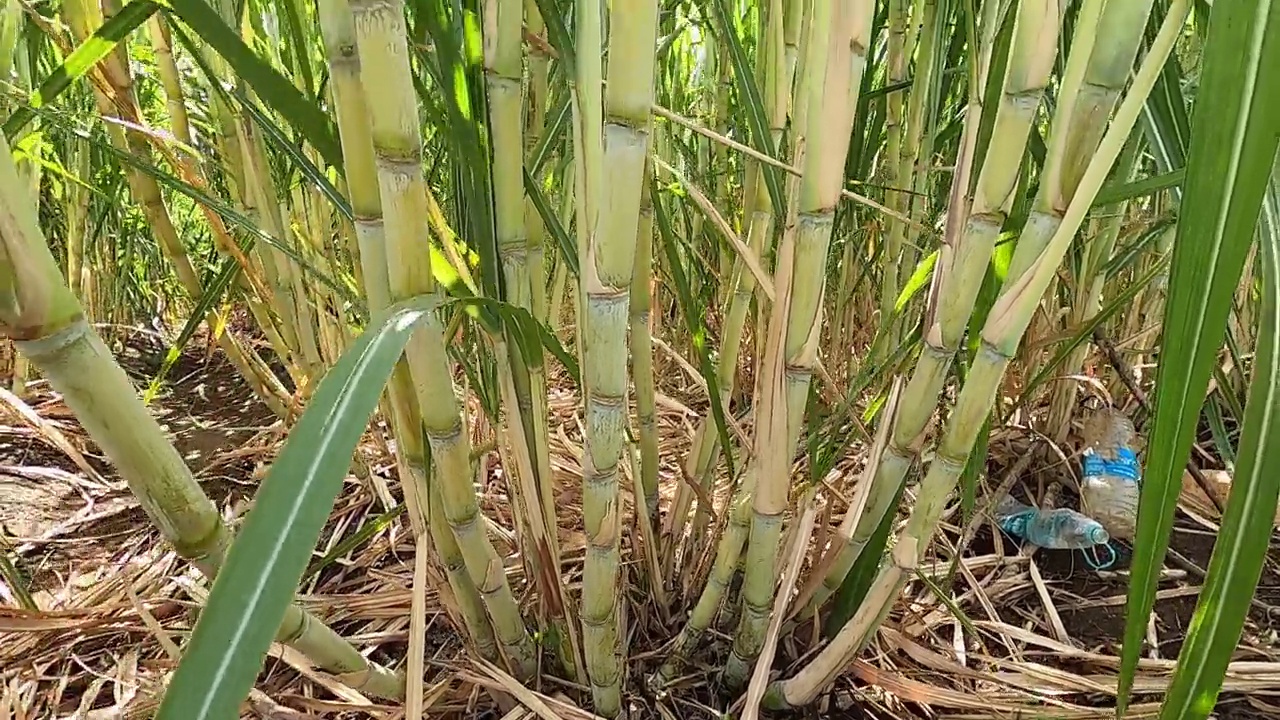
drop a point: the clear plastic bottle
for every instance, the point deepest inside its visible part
(1112, 477)
(1057, 529)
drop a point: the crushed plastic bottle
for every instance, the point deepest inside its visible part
(1112, 477)
(1057, 529)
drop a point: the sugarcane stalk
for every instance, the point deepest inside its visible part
(537, 94)
(399, 404)
(614, 138)
(1098, 68)
(958, 276)
(16, 64)
(642, 357)
(1003, 330)
(170, 79)
(523, 380)
(84, 18)
(733, 535)
(538, 422)
(79, 273)
(839, 39)
(381, 39)
(704, 452)
(47, 324)
(891, 169)
(1088, 297)
(559, 279)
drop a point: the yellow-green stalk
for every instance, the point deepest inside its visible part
(613, 140)
(642, 356)
(16, 63)
(169, 78)
(1001, 333)
(1088, 298)
(958, 272)
(840, 36)
(772, 62)
(400, 406)
(1151, 304)
(381, 38)
(79, 273)
(559, 279)
(792, 22)
(311, 226)
(891, 167)
(704, 453)
(719, 168)
(535, 267)
(523, 384)
(1098, 68)
(84, 18)
(916, 155)
(536, 109)
(289, 296)
(46, 323)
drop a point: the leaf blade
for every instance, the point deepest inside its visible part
(267, 559)
(1233, 143)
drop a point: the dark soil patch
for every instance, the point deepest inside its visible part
(59, 521)
(1101, 625)
(1091, 605)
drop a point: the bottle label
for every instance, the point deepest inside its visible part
(1125, 466)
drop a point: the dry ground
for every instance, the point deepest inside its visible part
(1038, 639)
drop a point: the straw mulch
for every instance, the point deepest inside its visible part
(1022, 634)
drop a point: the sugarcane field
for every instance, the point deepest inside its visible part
(643, 359)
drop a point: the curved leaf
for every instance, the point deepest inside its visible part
(1235, 130)
(271, 552)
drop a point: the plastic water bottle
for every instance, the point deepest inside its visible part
(1057, 529)
(1112, 477)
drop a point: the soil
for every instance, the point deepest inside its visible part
(1092, 605)
(203, 405)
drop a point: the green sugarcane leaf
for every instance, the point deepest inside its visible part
(757, 119)
(1218, 427)
(292, 151)
(224, 210)
(17, 581)
(693, 320)
(209, 297)
(857, 583)
(558, 33)
(1085, 331)
(81, 61)
(1234, 136)
(1238, 557)
(271, 551)
(297, 40)
(371, 527)
(553, 133)
(565, 242)
(1120, 191)
(1164, 119)
(531, 336)
(281, 95)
